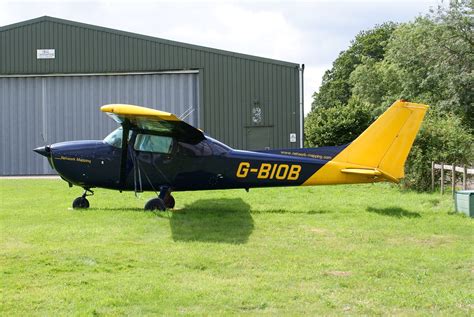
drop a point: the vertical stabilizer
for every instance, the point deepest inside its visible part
(381, 149)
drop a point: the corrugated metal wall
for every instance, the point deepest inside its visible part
(232, 84)
(67, 108)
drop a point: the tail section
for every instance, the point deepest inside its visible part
(380, 152)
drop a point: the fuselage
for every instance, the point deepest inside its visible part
(180, 166)
(157, 151)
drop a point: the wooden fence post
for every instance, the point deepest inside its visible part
(432, 175)
(453, 178)
(442, 179)
(464, 177)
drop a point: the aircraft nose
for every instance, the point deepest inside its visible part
(43, 150)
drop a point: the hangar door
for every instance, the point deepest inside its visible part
(65, 108)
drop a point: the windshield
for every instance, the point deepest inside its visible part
(115, 137)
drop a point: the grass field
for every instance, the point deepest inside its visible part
(355, 250)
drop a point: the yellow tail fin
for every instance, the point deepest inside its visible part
(380, 152)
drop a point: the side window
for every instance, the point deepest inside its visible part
(153, 143)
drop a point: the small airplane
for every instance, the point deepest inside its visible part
(155, 151)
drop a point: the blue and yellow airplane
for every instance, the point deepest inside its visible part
(155, 151)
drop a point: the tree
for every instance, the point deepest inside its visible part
(429, 60)
(336, 88)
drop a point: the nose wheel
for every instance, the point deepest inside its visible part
(162, 202)
(82, 202)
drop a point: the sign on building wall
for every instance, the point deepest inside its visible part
(292, 137)
(46, 53)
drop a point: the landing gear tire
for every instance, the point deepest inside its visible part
(155, 204)
(80, 203)
(169, 201)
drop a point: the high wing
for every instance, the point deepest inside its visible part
(146, 119)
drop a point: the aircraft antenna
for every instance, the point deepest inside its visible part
(186, 114)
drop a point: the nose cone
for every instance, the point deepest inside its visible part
(43, 150)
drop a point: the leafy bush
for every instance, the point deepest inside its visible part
(337, 125)
(443, 139)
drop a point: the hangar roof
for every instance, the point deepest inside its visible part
(147, 38)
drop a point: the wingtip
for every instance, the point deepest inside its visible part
(107, 108)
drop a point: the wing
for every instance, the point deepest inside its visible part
(146, 119)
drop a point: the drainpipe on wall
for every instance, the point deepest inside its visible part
(302, 105)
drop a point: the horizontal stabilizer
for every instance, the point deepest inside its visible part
(363, 171)
(370, 172)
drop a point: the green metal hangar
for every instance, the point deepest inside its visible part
(55, 74)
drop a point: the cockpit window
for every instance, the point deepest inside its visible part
(153, 143)
(115, 138)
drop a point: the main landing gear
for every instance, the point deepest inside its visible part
(162, 202)
(82, 202)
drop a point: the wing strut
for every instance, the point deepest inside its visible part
(123, 159)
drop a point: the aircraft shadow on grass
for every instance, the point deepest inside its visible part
(396, 212)
(210, 220)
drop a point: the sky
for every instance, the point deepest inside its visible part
(304, 32)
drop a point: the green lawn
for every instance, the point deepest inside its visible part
(355, 250)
